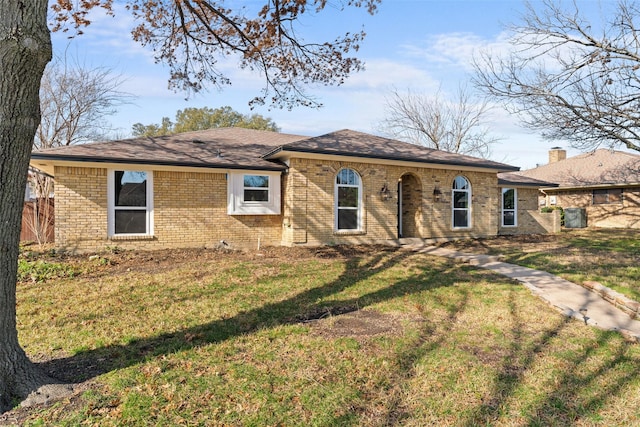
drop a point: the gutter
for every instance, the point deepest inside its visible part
(593, 186)
(87, 159)
(281, 149)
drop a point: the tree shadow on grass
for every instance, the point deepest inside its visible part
(578, 393)
(89, 364)
(581, 393)
(428, 340)
(563, 404)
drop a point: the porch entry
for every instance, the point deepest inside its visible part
(409, 206)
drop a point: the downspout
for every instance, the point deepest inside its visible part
(546, 197)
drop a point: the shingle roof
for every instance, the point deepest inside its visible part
(234, 148)
(238, 148)
(357, 144)
(517, 180)
(600, 167)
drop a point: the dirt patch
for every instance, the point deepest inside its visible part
(362, 324)
(117, 262)
(20, 415)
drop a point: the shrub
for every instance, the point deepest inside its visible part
(40, 271)
(549, 209)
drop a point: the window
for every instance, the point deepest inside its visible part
(461, 203)
(256, 188)
(607, 196)
(130, 203)
(251, 193)
(509, 207)
(348, 200)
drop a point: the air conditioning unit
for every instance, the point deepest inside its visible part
(575, 218)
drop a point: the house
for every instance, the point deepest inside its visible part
(252, 188)
(604, 184)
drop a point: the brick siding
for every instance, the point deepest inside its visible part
(81, 208)
(190, 208)
(529, 218)
(615, 215)
(309, 203)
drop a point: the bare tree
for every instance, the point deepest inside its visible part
(455, 125)
(38, 211)
(187, 36)
(570, 78)
(75, 102)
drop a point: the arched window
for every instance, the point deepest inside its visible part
(461, 203)
(348, 200)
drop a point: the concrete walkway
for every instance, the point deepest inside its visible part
(571, 299)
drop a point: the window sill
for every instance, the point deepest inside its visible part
(131, 237)
(349, 233)
(255, 213)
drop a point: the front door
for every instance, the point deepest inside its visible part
(409, 206)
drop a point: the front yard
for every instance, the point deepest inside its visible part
(608, 256)
(323, 337)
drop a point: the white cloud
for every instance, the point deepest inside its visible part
(384, 73)
(454, 50)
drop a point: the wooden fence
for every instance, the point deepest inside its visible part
(38, 215)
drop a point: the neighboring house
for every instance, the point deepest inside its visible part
(252, 188)
(604, 183)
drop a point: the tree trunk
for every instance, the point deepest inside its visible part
(25, 49)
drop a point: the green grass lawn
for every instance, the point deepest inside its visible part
(247, 339)
(608, 256)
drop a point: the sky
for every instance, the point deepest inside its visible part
(417, 45)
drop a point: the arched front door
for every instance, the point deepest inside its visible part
(409, 206)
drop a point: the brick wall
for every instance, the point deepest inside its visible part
(309, 218)
(81, 208)
(529, 218)
(614, 215)
(190, 210)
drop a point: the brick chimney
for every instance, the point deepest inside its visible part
(556, 154)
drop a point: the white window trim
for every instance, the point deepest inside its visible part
(111, 205)
(468, 209)
(515, 207)
(336, 208)
(235, 194)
